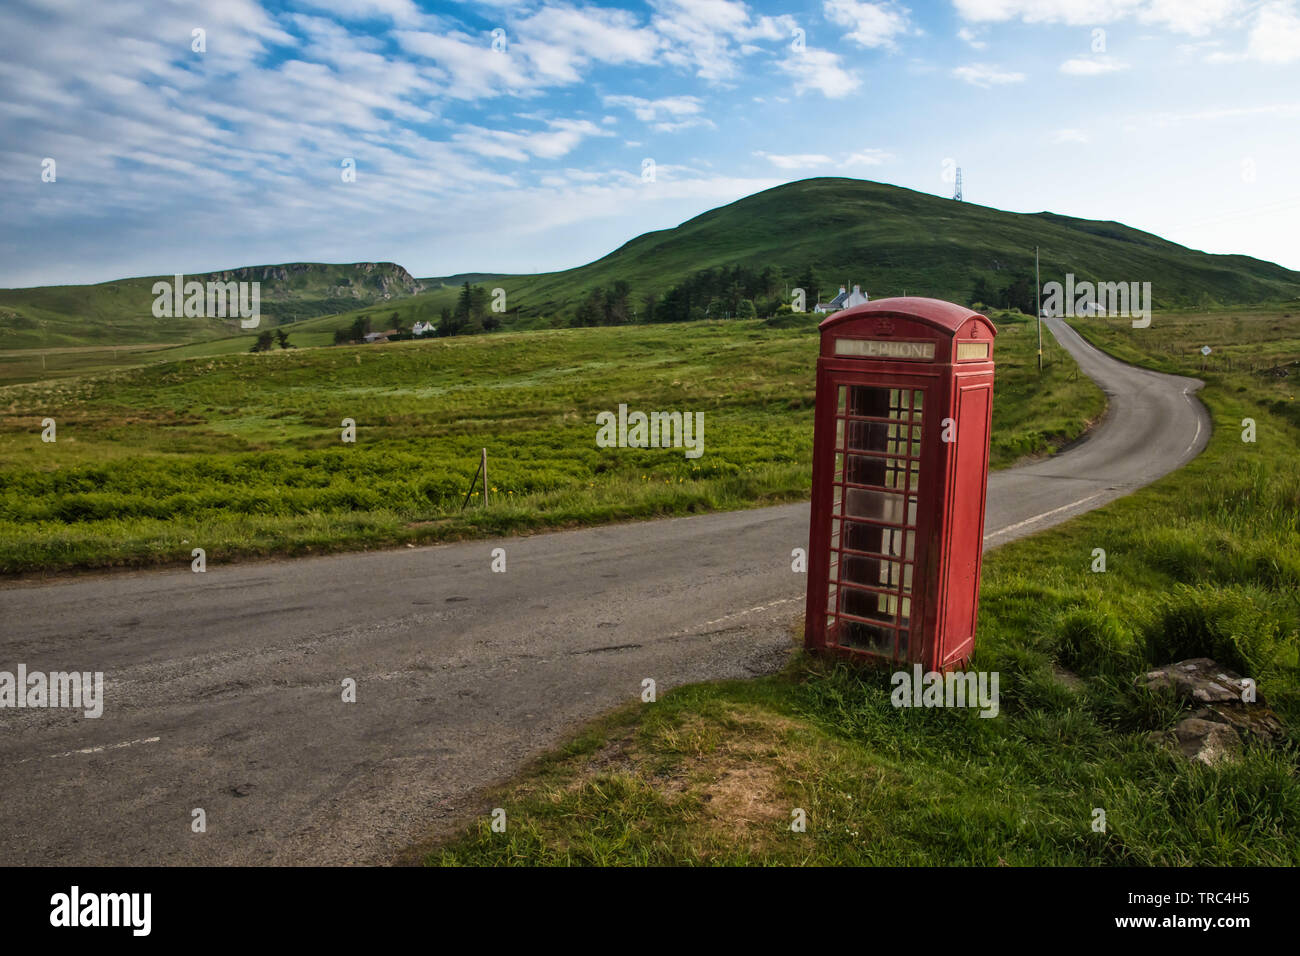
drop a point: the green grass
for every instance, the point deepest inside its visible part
(241, 454)
(1204, 562)
(34, 365)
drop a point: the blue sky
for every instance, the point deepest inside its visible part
(1181, 117)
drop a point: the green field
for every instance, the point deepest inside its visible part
(1206, 562)
(242, 454)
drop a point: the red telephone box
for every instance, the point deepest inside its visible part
(900, 468)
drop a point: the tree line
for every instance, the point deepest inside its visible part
(1017, 294)
(472, 314)
(724, 292)
(267, 339)
(735, 292)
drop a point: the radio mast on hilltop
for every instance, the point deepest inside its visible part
(957, 192)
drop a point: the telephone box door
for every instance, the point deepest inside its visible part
(874, 515)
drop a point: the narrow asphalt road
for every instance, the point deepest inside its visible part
(223, 690)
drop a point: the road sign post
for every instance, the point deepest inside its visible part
(1038, 310)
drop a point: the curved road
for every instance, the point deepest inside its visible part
(223, 690)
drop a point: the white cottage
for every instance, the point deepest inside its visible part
(845, 300)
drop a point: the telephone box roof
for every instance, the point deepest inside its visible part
(945, 316)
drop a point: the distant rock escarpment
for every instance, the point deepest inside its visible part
(358, 280)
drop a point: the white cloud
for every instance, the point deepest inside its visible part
(968, 36)
(549, 47)
(865, 157)
(400, 11)
(466, 66)
(796, 160)
(667, 114)
(146, 130)
(1072, 12)
(560, 139)
(679, 125)
(709, 37)
(561, 40)
(819, 70)
(1275, 36)
(1092, 66)
(986, 76)
(1194, 17)
(874, 24)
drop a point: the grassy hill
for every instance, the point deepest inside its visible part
(478, 278)
(888, 239)
(891, 240)
(121, 312)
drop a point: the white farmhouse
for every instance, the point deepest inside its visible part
(845, 300)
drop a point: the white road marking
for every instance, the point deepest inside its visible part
(1187, 396)
(752, 610)
(1045, 514)
(95, 750)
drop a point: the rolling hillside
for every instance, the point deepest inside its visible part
(888, 239)
(121, 312)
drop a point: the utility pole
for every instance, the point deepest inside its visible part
(1038, 311)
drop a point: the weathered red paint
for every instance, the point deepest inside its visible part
(897, 528)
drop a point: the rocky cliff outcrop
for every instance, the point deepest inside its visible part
(358, 280)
